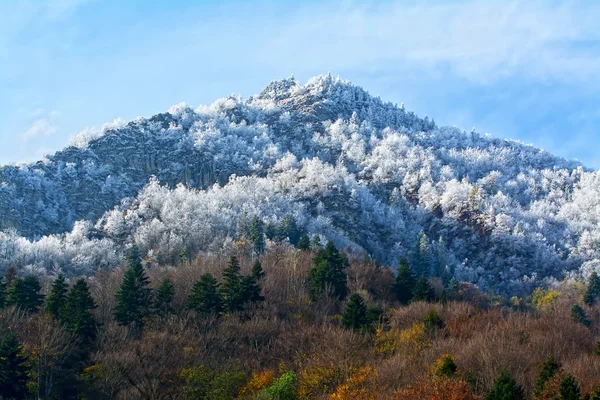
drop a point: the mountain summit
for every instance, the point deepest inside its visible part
(340, 163)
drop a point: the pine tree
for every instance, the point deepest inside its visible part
(506, 388)
(593, 290)
(2, 294)
(56, 300)
(250, 284)
(329, 272)
(423, 290)
(579, 316)
(549, 370)
(303, 242)
(315, 242)
(77, 314)
(569, 389)
(205, 298)
(440, 259)
(134, 298)
(422, 262)
(14, 369)
(288, 228)
(256, 235)
(354, 316)
(452, 289)
(25, 294)
(257, 271)
(232, 287)
(10, 276)
(164, 297)
(405, 282)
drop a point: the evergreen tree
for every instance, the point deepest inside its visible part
(205, 298)
(549, 370)
(164, 297)
(597, 349)
(315, 242)
(256, 235)
(2, 294)
(440, 259)
(288, 228)
(405, 282)
(452, 289)
(423, 290)
(354, 316)
(77, 314)
(593, 290)
(329, 272)
(422, 262)
(303, 242)
(578, 315)
(134, 298)
(506, 388)
(232, 290)
(569, 389)
(25, 294)
(595, 395)
(14, 369)
(257, 271)
(56, 300)
(250, 284)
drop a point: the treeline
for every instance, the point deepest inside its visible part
(298, 322)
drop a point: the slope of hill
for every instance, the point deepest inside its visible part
(346, 165)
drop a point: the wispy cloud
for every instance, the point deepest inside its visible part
(481, 41)
(38, 128)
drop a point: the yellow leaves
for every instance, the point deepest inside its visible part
(544, 300)
(360, 385)
(411, 341)
(319, 379)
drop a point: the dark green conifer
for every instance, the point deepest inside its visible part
(354, 316)
(329, 272)
(78, 309)
(569, 389)
(288, 228)
(56, 300)
(134, 298)
(452, 289)
(422, 260)
(405, 282)
(593, 290)
(25, 294)
(14, 369)
(549, 370)
(578, 315)
(303, 242)
(2, 294)
(423, 290)
(256, 235)
(205, 298)
(257, 271)
(232, 287)
(164, 297)
(315, 242)
(506, 388)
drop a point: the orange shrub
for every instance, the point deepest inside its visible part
(360, 385)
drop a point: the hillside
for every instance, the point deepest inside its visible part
(347, 166)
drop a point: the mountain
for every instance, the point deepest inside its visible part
(373, 177)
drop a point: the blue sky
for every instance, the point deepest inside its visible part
(526, 70)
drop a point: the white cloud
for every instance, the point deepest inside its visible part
(40, 127)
